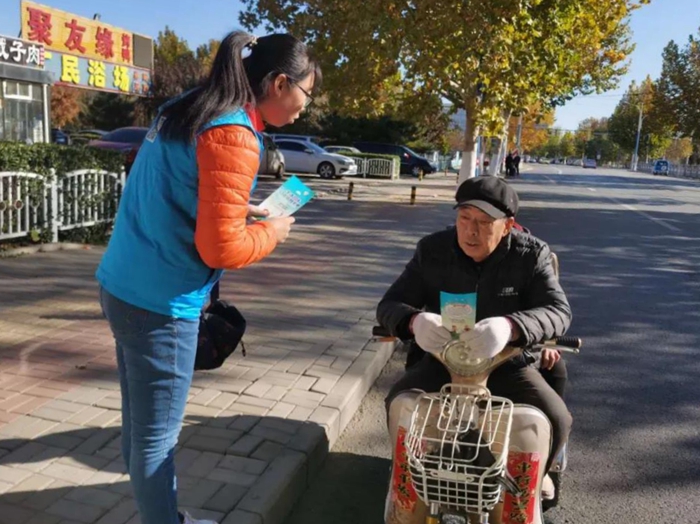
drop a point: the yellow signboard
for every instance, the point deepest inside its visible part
(67, 33)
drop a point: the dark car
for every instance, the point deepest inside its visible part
(660, 168)
(125, 139)
(58, 136)
(272, 162)
(411, 162)
(83, 136)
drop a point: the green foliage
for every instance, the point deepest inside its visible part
(679, 86)
(176, 69)
(41, 158)
(335, 128)
(53, 162)
(656, 134)
(491, 58)
(108, 111)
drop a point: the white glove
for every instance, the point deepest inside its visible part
(488, 338)
(430, 335)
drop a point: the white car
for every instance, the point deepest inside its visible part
(306, 157)
(303, 138)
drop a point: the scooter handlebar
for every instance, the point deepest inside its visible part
(568, 342)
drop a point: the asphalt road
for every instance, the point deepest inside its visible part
(629, 246)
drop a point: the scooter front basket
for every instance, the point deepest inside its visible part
(457, 447)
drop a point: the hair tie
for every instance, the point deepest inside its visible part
(252, 43)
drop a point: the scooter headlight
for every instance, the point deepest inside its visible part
(457, 357)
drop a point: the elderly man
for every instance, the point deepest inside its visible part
(519, 302)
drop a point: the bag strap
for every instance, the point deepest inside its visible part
(214, 294)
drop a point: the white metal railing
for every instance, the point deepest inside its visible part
(32, 202)
(679, 170)
(94, 198)
(381, 167)
(25, 201)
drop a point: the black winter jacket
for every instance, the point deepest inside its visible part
(517, 281)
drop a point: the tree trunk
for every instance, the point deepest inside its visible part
(499, 153)
(468, 168)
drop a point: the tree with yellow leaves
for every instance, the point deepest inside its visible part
(492, 58)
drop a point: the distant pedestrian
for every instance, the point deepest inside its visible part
(510, 169)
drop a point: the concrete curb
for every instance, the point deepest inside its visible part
(43, 248)
(271, 499)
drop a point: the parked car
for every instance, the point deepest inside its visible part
(84, 136)
(272, 162)
(341, 149)
(58, 136)
(411, 162)
(125, 139)
(304, 138)
(660, 168)
(306, 157)
(590, 163)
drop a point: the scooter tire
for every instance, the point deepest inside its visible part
(557, 480)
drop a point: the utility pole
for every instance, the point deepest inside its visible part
(520, 133)
(635, 161)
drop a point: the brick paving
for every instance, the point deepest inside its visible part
(256, 430)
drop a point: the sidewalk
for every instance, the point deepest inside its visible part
(257, 429)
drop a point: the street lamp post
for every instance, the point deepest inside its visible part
(635, 162)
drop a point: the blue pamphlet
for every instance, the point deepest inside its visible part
(458, 311)
(288, 198)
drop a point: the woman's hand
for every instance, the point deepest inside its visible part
(281, 225)
(257, 212)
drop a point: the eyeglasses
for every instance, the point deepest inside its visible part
(309, 99)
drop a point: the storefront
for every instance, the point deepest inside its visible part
(24, 92)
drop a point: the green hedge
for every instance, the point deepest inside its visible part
(42, 159)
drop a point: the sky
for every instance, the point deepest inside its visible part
(197, 21)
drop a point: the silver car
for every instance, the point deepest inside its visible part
(272, 162)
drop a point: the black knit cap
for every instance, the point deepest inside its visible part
(490, 194)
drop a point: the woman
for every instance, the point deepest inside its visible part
(182, 220)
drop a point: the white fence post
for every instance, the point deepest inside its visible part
(55, 215)
(95, 197)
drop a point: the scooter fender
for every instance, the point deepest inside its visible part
(530, 444)
(402, 503)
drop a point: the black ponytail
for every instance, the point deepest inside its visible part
(236, 82)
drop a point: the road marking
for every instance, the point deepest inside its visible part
(647, 215)
(659, 221)
(591, 189)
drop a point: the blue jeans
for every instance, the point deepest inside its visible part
(155, 355)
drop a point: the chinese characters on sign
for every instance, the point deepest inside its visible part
(39, 23)
(68, 33)
(98, 74)
(89, 53)
(20, 52)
